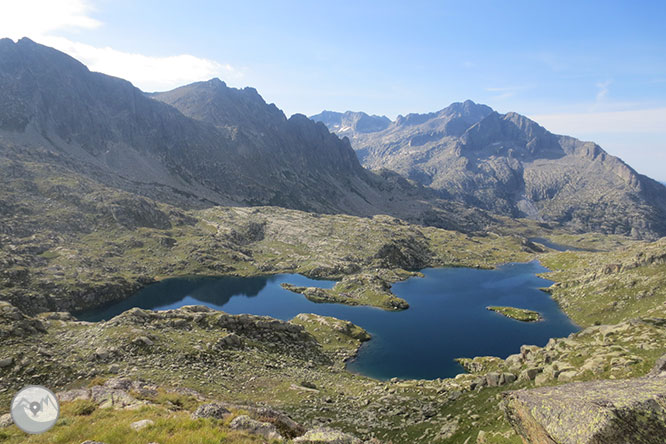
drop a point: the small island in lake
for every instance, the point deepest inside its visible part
(519, 314)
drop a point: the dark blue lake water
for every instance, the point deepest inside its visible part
(447, 317)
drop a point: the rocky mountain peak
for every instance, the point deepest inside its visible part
(214, 102)
(523, 136)
(467, 109)
(351, 121)
(509, 164)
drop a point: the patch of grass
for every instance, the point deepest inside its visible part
(170, 400)
(113, 427)
(82, 407)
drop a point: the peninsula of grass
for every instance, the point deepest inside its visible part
(519, 314)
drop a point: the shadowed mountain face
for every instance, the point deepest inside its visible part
(510, 165)
(196, 146)
(311, 168)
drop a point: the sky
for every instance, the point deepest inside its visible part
(595, 70)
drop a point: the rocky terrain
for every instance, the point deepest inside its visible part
(174, 363)
(510, 165)
(624, 283)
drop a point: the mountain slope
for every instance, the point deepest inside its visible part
(510, 165)
(312, 168)
(300, 151)
(221, 146)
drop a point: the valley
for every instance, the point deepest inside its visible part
(119, 194)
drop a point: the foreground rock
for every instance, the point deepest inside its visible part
(608, 412)
(6, 420)
(142, 424)
(247, 424)
(213, 410)
(324, 435)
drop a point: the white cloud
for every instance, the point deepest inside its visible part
(641, 120)
(603, 90)
(41, 17)
(41, 20)
(147, 72)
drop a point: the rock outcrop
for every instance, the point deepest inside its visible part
(14, 323)
(254, 427)
(597, 412)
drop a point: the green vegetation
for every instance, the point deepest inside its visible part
(89, 244)
(112, 426)
(519, 314)
(610, 287)
(93, 244)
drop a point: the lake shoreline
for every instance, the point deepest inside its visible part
(444, 303)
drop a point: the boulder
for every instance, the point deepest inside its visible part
(6, 420)
(14, 323)
(6, 362)
(492, 379)
(567, 376)
(230, 341)
(542, 379)
(507, 378)
(323, 435)
(481, 437)
(212, 410)
(102, 353)
(288, 427)
(514, 360)
(140, 425)
(598, 412)
(528, 374)
(659, 368)
(247, 424)
(113, 393)
(526, 350)
(595, 365)
(142, 341)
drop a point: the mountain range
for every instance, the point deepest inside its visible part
(200, 145)
(207, 144)
(510, 165)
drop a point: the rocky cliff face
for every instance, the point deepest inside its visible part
(197, 146)
(509, 164)
(311, 168)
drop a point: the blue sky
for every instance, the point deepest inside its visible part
(592, 69)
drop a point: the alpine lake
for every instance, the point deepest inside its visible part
(447, 317)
